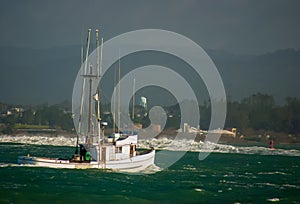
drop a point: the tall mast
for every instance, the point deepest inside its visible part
(83, 84)
(101, 54)
(90, 122)
(98, 89)
(133, 100)
(114, 105)
(99, 113)
(98, 53)
(119, 111)
(79, 124)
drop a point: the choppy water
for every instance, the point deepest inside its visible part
(231, 174)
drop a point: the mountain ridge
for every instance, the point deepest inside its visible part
(34, 76)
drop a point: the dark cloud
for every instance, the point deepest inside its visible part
(238, 26)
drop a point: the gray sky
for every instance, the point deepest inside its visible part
(238, 26)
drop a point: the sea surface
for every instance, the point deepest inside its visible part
(230, 174)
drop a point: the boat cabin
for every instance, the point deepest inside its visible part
(117, 146)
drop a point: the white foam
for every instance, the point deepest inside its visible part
(273, 199)
(160, 144)
(190, 145)
(151, 169)
(198, 189)
(272, 173)
(59, 140)
(3, 165)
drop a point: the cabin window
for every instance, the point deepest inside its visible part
(118, 149)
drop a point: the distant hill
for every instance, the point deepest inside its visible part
(274, 73)
(32, 76)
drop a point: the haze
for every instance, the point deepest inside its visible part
(233, 28)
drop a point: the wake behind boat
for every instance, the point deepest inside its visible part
(117, 152)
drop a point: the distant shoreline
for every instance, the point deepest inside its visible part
(248, 137)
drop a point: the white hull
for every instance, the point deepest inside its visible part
(132, 164)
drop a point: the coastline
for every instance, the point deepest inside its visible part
(162, 143)
(247, 138)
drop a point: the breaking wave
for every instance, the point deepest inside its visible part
(59, 140)
(3, 165)
(159, 144)
(190, 145)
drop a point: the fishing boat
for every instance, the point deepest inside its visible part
(117, 152)
(117, 155)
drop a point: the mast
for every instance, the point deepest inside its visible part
(98, 53)
(99, 68)
(114, 101)
(90, 132)
(79, 125)
(83, 84)
(97, 95)
(133, 100)
(99, 113)
(98, 91)
(90, 106)
(101, 54)
(119, 111)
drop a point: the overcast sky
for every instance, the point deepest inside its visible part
(238, 26)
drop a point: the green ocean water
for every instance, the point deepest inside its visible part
(220, 178)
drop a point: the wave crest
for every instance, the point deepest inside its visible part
(159, 144)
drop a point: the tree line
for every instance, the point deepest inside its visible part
(257, 112)
(41, 116)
